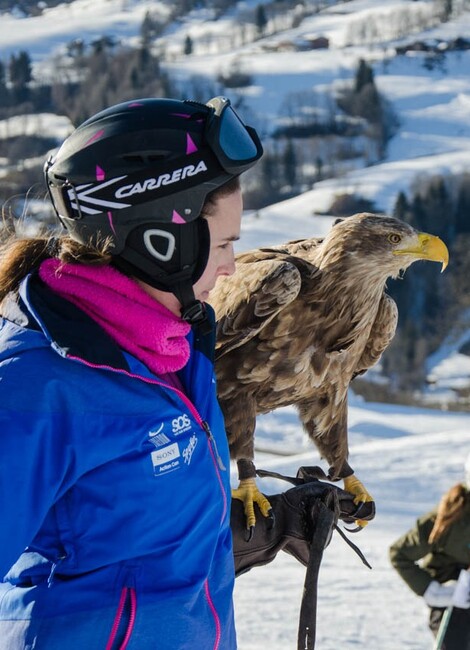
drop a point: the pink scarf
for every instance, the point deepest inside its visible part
(136, 321)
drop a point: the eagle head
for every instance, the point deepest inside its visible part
(384, 242)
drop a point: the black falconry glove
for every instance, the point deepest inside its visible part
(293, 525)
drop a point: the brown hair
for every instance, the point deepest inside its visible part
(233, 185)
(24, 255)
(20, 256)
(450, 510)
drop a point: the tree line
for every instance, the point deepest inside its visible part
(430, 304)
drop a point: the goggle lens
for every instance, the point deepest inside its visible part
(234, 139)
(236, 146)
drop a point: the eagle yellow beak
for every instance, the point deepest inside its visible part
(428, 247)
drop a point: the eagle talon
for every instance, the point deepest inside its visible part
(251, 529)
(357, 529)
(248, 493)
(365, 510)
(271, 519)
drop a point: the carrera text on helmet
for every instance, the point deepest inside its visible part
(164, 179)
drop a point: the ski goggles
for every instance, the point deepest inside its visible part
(236, 146)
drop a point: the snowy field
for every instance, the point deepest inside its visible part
(407, 458)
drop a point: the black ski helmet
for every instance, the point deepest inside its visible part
(137, 175)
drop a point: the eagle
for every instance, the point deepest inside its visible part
(297, 323)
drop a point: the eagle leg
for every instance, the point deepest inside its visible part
(249, 494)
(365, 502)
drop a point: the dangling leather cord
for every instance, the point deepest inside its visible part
(325, 514)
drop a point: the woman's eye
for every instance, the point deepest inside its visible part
(394, 238)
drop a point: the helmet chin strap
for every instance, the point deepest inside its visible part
(193, 311)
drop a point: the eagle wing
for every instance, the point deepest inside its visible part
(296, 247)
(264, 286)
(381, 334)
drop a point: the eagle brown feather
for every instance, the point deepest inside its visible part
(297, 322)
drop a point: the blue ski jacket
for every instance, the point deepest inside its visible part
(114, 490)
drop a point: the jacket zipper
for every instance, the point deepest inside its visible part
(214, 614)
(206, 427)
(128, 597)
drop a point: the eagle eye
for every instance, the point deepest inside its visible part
(394, 238)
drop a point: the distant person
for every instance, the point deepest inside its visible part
(114, 484)
(433, 558)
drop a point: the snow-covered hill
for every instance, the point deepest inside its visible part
(432, 104)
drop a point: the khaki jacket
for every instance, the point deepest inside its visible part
(418, 562)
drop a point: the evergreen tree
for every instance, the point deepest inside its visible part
(402, 207)
(188, 45)
(290, 165)
(404, 211)
(318, 168)
(261, 19)
(270, 178)
(446, 9)
(146, 29)
(4, 99)
(438, 209)
(462, 209)
(418, 212)
(134, 78)
(144, 58)
(364, 76)
(367, 104)
(20, 71)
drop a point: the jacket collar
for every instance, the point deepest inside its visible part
(69, 330)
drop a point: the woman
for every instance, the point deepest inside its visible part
(114, 487)
(433, 558)
(114, 459)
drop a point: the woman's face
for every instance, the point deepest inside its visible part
(224, 228)
(224, 223)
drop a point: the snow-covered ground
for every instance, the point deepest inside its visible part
(407, 458)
